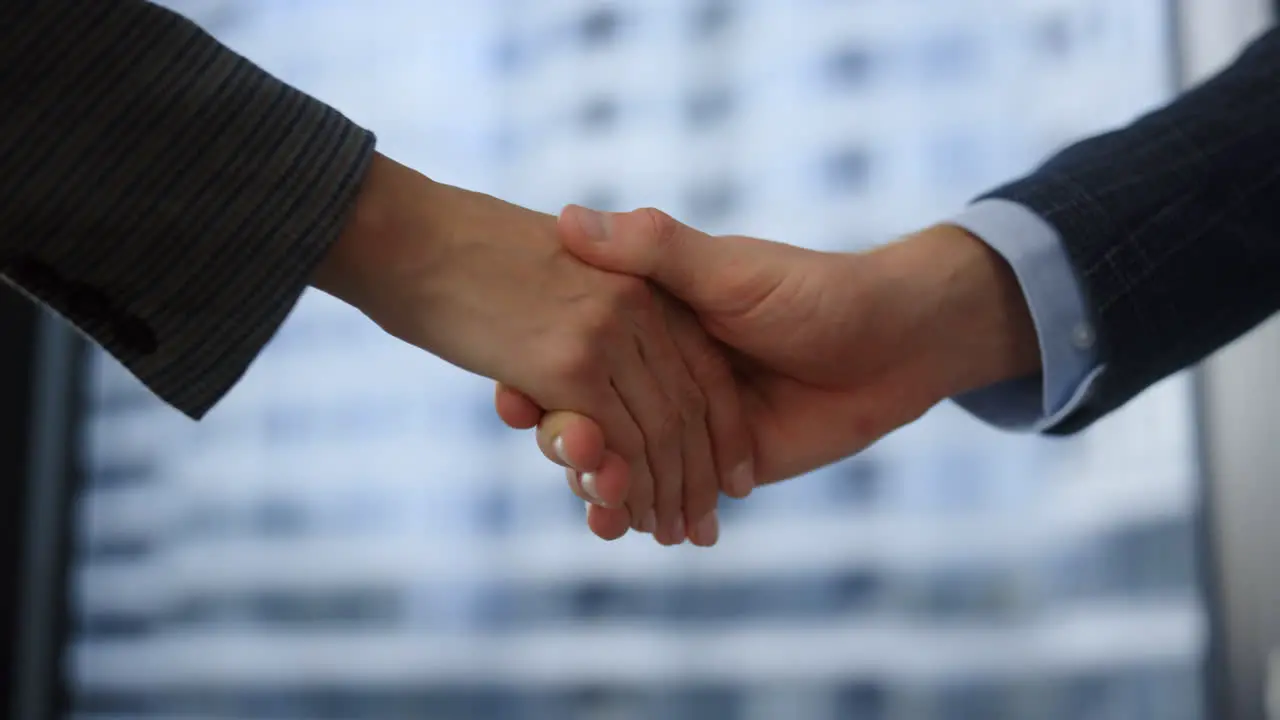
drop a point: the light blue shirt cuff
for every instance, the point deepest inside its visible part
(1068, 352)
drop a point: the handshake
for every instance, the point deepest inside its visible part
(663, 366)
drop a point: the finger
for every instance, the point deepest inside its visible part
(624, 436)
(606, 486)
(701, 488)
(726, 424)
(649, 243)
(573, 440)
(654, 414)
(608, 523)
(669, 411)
(707, 530)
(515, 408)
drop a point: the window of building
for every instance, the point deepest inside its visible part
(507, 144)
(115, 474)
(333, 608)
(796, 596)
(848, 171)
(598, 115)
(279, 517)
(114, 703)
(708, 107)
(287, 424)
(973, 701)
(709, 601)
(494, 511)
(600, 198)
(849, 67)
(970, 593)
(118, 549)
(695, 703)
(595, 599)
(203, 611)
(866, 700)
(712, 17)
(509, 55)
(713, 201)
(360, 510)
(208, 519)
(950, 57)
(856, 590)
(857, 481)
(600, 27)
(958, 160)
(1053, 37)
(123, 398)
(1151, 558)
(115, 625)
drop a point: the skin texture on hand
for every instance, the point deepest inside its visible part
(487, 286)
(831, 350)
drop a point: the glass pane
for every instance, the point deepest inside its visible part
(352, 534)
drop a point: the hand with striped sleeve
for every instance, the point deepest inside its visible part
(486, 285)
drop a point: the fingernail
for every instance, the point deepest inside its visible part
(558, 446)
(594, 224)
(707, 531)
(743, 479)
(673, 534)
(650, 523)
(588, 482)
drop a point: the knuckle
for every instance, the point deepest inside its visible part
(574, 363)
(693, 404)
(604, 324)
(622, 437)
(668, 427)
(628, 291)
(662, 226)
(630, 445)
(638, 506)
(668, 497)
(640, 497)
(700, 499)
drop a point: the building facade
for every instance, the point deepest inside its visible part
(353, 534)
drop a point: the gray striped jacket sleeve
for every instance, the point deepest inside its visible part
(161, 192)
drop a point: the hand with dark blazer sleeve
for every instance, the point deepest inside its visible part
(173, 201)
(1172, 227)
(161, 192)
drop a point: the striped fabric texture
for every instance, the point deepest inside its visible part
(161, 192)
(1172, 226)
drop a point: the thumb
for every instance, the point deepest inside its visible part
(651, 244)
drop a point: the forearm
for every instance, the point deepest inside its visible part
(161, 192)
(391, 211)
(1171, 226)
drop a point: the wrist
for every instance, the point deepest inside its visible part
(385, 218)
(973, 326)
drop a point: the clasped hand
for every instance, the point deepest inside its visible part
(830, 351)
(663, 366)
(487, 286)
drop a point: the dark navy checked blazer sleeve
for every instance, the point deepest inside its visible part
(1172, 226)
(161, 192)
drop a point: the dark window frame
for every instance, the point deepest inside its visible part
(43, 371)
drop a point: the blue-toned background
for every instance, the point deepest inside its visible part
(352, 534)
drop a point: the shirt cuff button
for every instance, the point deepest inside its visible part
(1082, 336)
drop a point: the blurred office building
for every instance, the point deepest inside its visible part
(353, 535)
